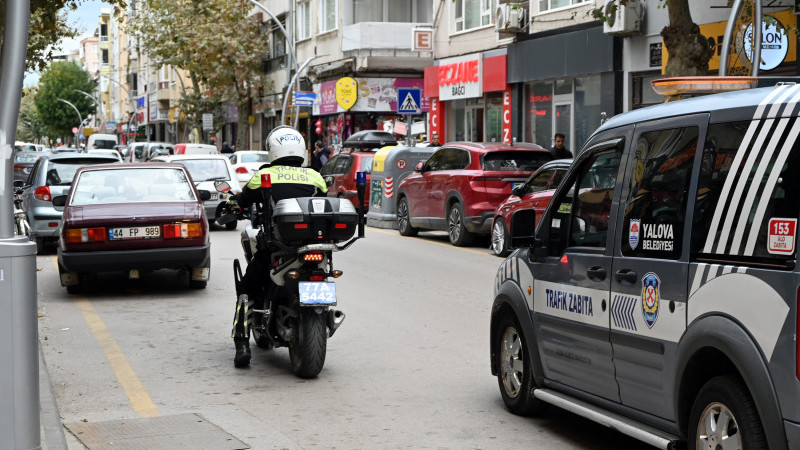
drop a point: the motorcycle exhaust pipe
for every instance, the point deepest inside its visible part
(335, 318)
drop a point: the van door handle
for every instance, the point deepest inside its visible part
(626, 276)
(596, 273)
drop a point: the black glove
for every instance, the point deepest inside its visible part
(233, 198)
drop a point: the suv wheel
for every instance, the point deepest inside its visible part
(456, 229)
(514, 374)
(724, 414)
(500, 238)
(404, 219)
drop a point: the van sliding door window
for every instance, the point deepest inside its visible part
(655, 209)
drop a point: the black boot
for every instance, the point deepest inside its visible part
(242, 358)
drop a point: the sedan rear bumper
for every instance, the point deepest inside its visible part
(146, 259)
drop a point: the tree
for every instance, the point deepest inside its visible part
(689, 51)
(215, 41)
(61, 80)
(48, 26)
(29, 127)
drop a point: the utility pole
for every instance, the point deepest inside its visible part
(19, 337)
(80, 119)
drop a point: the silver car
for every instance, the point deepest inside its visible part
(51, 176)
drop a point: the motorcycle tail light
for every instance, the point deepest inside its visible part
(313, 257)
(293, 274)
(242, 170)
(316, 278)
(300, 226)
(43, 193)
(340, 226)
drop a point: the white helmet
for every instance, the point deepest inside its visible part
(286, 146)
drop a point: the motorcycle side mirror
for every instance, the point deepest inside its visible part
(222, 186)
(204, 194)
(328, 181)
(59, 200)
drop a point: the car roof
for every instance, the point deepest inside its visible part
(118, 166)
(76, 155)
(196, 156)
(496, 146)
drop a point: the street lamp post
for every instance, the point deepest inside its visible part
(80, 131)
(133, 103)
(97, 103)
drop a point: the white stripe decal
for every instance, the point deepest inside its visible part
(770, 187)
(773, 110)
(774, 143)
(723, 198)
(713, 271)
(727, 269)
(698, 277)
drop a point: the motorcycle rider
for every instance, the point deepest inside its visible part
(287, 153)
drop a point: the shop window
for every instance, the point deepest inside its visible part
(469, 14)
(747, 200)
(328, 15)
(546, 5)
(494, 117)
(659, 188)
(588, 109)
(539, 112)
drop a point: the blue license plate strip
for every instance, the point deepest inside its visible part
(317, 293)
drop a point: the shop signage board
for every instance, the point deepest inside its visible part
(375, 95)
(421, 39)
(460, 77)
(346, 92)
(507, 116)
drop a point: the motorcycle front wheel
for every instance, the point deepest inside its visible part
(307, 351)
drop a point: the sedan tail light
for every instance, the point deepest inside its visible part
(242, 170)
(75, 235)
(182, 230)
(43, 193)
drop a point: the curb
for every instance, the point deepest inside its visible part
(53, 437)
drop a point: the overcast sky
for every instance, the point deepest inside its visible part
(85, 20)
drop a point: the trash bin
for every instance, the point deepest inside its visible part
(389, 167)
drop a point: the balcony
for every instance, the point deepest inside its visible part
(384, 45)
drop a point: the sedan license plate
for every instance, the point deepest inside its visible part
(213, 196)
(134, 233)
(321, 293)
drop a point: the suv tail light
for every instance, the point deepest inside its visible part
(75, 235)
(43, 193)
(182, 230)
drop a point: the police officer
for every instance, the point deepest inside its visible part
(287, 153)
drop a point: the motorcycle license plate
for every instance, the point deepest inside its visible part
(318, 293)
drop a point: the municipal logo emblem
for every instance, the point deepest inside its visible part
(633, 233)
(650, 294)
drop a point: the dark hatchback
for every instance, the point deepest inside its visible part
(133, 218)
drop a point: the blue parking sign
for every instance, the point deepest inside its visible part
(409, 100)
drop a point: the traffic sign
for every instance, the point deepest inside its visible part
(74, 130)
(409, 100)
(208, 122)
(304, 98)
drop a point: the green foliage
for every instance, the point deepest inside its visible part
(29, 127)
(60, 81)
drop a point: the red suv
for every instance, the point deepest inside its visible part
(459, 187)
(340, 174)
(534, 194)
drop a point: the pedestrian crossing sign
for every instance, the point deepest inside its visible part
(409, 100)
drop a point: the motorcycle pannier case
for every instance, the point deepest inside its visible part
(314, 219)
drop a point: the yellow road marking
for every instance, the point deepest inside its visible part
(448, 245)
(133, 387)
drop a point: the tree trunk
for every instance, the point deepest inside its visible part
(689, 51)
(243, 124)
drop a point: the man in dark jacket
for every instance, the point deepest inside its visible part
(226, 148)
(559, 150)
(320, 156)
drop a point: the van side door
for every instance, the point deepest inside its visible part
(651, 260)
(572, 270)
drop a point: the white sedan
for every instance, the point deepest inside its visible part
(246, 163)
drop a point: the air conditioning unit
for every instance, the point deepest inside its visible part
(510, 18)
(623, 20)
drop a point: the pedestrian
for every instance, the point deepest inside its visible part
(226, 148)
(320, 156)
(435, 140)
(559, 151)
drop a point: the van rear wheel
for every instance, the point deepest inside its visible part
(724, 415)
(514, 375)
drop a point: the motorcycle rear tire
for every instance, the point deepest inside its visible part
(308, 351)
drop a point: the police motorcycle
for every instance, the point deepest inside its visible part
(302, 234)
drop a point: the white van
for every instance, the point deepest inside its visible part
(103, 141)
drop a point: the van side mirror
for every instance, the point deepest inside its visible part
(59, 200)
(522, 229)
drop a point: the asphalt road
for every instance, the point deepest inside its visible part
(409, 367)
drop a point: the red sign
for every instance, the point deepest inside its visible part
(460, 72)
(781, 236)
(507, 116)
(401, 164)
(436, 119)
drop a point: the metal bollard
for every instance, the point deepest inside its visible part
(19, 372)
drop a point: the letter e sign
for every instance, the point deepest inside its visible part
(422, 40)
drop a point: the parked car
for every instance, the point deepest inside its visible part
(246, 163)
(459, 187)
(107, 141)
(136, 152)
(23, 162)
(145, 151)
(134, 218)
(205, 170)
(109, 152)
(195, 149)
(340, 174)
(51, 175)
(535, 194)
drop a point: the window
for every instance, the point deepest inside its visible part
(469, 14)
(659, 187)
(328, 15)
(745, 197)
(104, 56)
(303, 20)
(454, 159)
(103, 32)
(382, 11)
(540, 182)
(434, 161)
(513, 161)
(546, 5)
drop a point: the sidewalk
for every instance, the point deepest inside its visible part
(53, 437)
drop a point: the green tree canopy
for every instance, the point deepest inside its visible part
(60, 81)
(29, 127)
